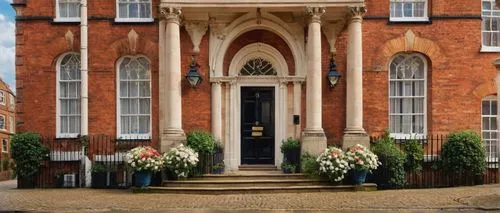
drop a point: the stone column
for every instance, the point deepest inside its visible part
(496, 63)
(297, 105)
(217, 110)
(354, 132)
(313, 137)
(170, 85)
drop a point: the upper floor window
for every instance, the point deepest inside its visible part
(68, 96)
(408, 10)
(491, 26)
(12, 124)
(67, 10)
(489, 127)
(2, 122)
(2, 98)
(5, 145)
(12, 101)
(133, 11)
(134, 98)
(407, 96)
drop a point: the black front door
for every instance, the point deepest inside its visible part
(257, 125)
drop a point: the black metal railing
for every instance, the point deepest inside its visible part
(432, 175)
(64, 164)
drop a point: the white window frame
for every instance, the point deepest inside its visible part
(118, 102)
(12, 124)
(3, 98)
(409, 19)
(410, 135)
(65, 19)
(139, 20)
(489, 99)
(5, 149)
(12, 101)
(58, 103)
(4, 128)
(483, 47)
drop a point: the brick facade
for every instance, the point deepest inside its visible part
(459, 75)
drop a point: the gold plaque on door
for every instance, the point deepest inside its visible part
(257, 128)
(256, 134)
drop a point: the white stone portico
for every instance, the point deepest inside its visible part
(225, 21)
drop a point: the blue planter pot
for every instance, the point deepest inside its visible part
(359, 176)
(143, 179)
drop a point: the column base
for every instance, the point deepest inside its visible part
(172, 138)
(351, 139)
(313, 141)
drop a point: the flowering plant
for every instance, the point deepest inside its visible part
(180, 160)
(332, 163)
(361, 158)
(144, 158)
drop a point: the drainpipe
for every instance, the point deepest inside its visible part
(84, 113)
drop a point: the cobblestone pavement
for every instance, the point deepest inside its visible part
(465, 199)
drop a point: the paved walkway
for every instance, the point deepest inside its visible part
(467, 199)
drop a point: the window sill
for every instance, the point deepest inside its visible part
(399, 136)
(133, 137)
(67, 20)
(410, 21)
(67, 136)
(486, 49)
(134, 20)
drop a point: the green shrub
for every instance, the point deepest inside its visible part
(391, 174)
(463, 152)
(414, 155)
(309, 165)
(27, 152)
(201, 141)
(97, 168)
(289, 145)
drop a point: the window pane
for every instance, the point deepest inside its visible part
(399, 10)
(133, 89)
(485, 107)
(124, 89)
(144, 106)
(133, 10)
(123, 10)
(493, 123)
(144, 89)
(125, 124)
(408, 9)
(124, 106)
(144, 124)
(486, 124)
(493, 107)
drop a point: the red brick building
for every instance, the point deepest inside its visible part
(7, 127)
(417, 67)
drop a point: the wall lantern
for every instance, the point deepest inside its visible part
(333, 76)
(193, 76)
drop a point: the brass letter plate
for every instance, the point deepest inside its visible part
(257, 128)
(256, 134)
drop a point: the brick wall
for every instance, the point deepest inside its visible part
(459, 75)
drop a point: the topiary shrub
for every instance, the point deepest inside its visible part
(27, 153)
(391, 174)
(414, 155)
(201, 141)
(463, 152)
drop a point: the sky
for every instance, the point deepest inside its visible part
(7, 43)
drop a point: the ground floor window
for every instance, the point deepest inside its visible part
(489, 127)
(5, 145)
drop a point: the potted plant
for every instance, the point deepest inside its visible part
(361, 160)
(144, 160)
(59, 179)
(180, 160)
(333, 164)
(99, 175)
(218, 168)
(291, 151)
(288, 167)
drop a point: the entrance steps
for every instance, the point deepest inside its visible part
(242, 182)
(258, 167)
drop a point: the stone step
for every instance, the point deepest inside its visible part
(257, 167)
(251, 190)
(229, 183)
(251, 176)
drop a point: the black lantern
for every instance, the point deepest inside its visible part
(193, 76)
(333, 76)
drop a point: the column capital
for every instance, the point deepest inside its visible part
(357, 13)
(171, 14)
(315, 14)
